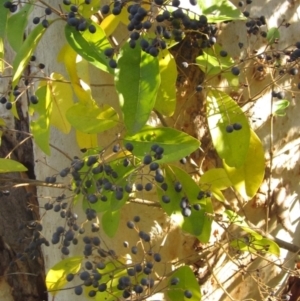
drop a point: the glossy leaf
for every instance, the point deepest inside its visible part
(90, 46)
(61, 97)
(218, 11)
(8, 165)
(273, 34)
(110, 222)
(176, 144)
(40, 125)
(215, 179)
(138, 88)
(16, 26)
(25, 52)
(56, 276)
(280, 107)
(3, 19)
(247, 178)
(166, 97)
(197, 221)
(187, 281)
(222, 111)
(92, 119)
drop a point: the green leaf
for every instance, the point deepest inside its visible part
(56, 276)
(2, 64)
(211, 63)
(40, 127)
(165, 102)
(25, 52)
(138, 88)
(61, 97)
(8, 165)
(197, 221)
(280, 107)
(3, 19)
(90, 46)
(91, 119)
(176, 144)
(222, 111)
(247, 178)
(16, 25)
(218, 11)
(215, 179)
(273, 34)
(110, 222)
(187, 281)
(250, 244)
(114, 269)
(235, 219)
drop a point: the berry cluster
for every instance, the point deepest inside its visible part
(233, 127)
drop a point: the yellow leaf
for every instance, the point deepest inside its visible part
(61, 96)
(56, 277)
(111, 22)
(166, 95)
(215, 180)
(86, 140)
(69, 57)
(248, 178)
(1, 56)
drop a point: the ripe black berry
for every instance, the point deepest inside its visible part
(8, 106)
(174, 281)
(229, 128)
(148, 186)
(45, 23)
(3, 100)
(197, 207)
(78, 290)
(130, 224)
(157, 257)
(105, 9)
(188, 294)
(177, 186)
(223, 53)
(112, 63)
(235, 71)
(147, 159)
(165, 199)
(92, 28)
(186, 212)
(102, 287)
(237, 126)
(48, 11)
(33, 99)
(36, 20)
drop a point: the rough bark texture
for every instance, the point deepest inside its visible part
(22, 273)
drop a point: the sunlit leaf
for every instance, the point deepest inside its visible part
(247, 178)
(3, 19)
(215, 179)
(166, 96)
(220, 10)
(280, 107)
(8, 165)
(56, 276)
(40, 125)
(85, 140)
(90, 46)
(273, 34)
(111, 22)
(61, 97)
(16, 25)
(69, 57)
(92, 119)
(110, 222)
(187, 281)
(197, 221)
(25, 52)
(138, 88)
(222, 111)
(176, 144)
(251, 244)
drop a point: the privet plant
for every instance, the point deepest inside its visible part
(143, 158)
